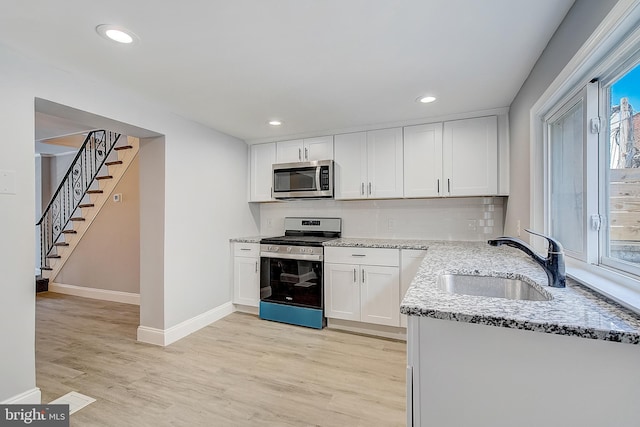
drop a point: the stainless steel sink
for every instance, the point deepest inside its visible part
(487, 286)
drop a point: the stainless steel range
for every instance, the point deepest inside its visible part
(291, 267)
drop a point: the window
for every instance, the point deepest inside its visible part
(565, 130)
(585, 159)
(593, 173)
(620, 202)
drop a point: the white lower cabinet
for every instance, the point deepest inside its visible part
(410, 260)
(342, 291)
(246, 274)
(362, 284)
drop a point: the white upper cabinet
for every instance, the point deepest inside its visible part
(320, 148)
(423, 160)
(305, 150)
(470, 156)
(369, 164)
(289, 151)
(262, 158)
(384, 154)
(457, 158)
(350, 167)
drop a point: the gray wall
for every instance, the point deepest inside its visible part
(578, 25)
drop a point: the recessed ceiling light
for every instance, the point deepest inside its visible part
(426, 99)
(275, 122)
(117, 34)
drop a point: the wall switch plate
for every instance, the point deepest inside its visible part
(7, 182)
(117, 198)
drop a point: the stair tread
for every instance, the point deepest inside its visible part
(69, 231)
(86, 205)
(46, 268)
(104, 177)
(94, 191)
(54, 256)
(123, 147)
(61, 244)
(115, 162)
(77, 218)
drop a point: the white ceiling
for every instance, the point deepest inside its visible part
(318, 65)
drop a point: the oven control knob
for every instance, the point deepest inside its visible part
(289, 249)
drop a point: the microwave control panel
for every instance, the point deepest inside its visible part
(324, 178)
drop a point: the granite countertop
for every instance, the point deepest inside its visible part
(574, 310)
(380, 243)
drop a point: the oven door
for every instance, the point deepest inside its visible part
(292, 280)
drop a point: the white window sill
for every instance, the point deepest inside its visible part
(618, 287)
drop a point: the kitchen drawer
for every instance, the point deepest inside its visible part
(364, 256)
(249, 250)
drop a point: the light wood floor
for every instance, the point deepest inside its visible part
(238, 371)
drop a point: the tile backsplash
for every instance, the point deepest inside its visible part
(469, 218)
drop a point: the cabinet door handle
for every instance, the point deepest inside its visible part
(299, 153)
(354, 276)
(448, 186)
(245, 249)
(358, 255)
(362, 189)
(256, 266)
(438, 186)
(363, 275)
(369, 188)
(306, 153)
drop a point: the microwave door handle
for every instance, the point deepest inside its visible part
(318, 185)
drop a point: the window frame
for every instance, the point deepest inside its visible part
(618, 36)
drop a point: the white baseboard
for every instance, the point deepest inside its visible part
(29, 397)
(368, 329)
(164, 337)
(247, 309)
(101, 294)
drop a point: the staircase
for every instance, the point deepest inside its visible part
(100, 163)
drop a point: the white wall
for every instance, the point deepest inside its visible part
(204, 202)
(578, 25)
(469, 218)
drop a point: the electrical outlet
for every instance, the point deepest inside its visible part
(117, 198)
(518, 229)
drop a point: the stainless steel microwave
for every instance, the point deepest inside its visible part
(303, 180)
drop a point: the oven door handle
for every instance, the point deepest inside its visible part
(302, 257)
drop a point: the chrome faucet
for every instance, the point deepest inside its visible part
(553, 264)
